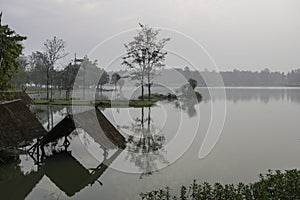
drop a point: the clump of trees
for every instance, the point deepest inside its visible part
(273, 185)
(10, 49)
(40, 67)
(115, 77)
(144, 56)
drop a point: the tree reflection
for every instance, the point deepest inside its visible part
(187, 99)
(146, 145)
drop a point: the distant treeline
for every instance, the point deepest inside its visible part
(34, 73)
(240, 78)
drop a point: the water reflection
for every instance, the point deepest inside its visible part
(248, 124)
(51, 157)
(59, 165)
(187, 103)
(70, 176)
(145, 144)
(50, 115)
(265, 95)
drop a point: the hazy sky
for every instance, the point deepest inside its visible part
(245, 34)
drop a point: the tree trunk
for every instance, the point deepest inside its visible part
(149, 118)
(47, 85)
(142, 86)
(142, 92)
(51, 85)
(149, 89)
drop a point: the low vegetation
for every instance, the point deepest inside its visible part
(100, 103)
(160, 97)
(125, 103)
(272, 185)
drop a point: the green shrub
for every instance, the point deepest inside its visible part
(273, 185)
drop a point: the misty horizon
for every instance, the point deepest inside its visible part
(251, 35)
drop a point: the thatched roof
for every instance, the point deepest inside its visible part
(17, 124)
(100, 129)
(94, 123)
(8, 96)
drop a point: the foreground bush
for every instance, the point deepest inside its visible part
(273, 185)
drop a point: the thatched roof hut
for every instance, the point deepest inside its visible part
(94, 123)
(9, 96)
(17, 124)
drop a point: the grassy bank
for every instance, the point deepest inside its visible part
(100, 103)
(159, 97)
(272, 185)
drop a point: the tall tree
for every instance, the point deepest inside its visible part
(104, 78)
(54, 50)
(144, 55)
(21, 77)
(10, 50)
(69, 75)
(39, 65)
(115, 77)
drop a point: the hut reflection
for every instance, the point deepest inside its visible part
(62, 168)
(14, 184)
(52, 159)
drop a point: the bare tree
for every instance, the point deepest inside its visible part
(54, 50)
(144, 55)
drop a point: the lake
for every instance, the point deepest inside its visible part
(260, 132)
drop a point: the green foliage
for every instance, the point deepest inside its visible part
(38, 64)
(10, 50)
(272, 185)
(124, 103)
(104, 78)
(115, 77)
(144, 55)
(21, 77)
(160, 97)
(101, 103)
(69, 75)
(193, 83)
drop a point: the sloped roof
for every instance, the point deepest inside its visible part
(94, 123)
(17, 124)
(100, 129)
(64, 128)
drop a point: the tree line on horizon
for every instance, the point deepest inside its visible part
(143, 61)
(32, 73)
(245, 78)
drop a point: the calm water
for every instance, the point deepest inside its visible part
(261, 132)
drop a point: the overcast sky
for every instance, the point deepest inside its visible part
(244, 34)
